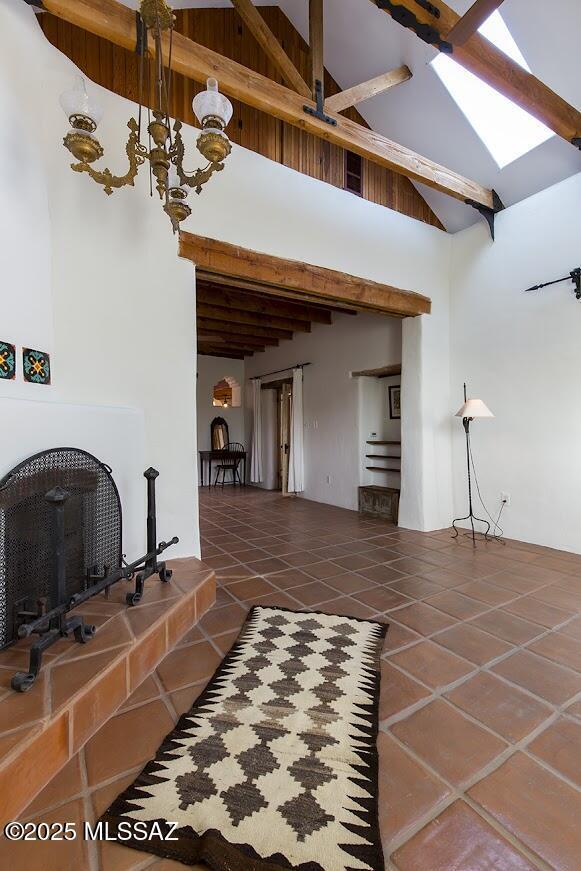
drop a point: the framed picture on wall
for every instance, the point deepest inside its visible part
(394, 402)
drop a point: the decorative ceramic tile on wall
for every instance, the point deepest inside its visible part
(36, 366)
(7, 361)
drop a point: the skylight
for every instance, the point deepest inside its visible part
(506, 130)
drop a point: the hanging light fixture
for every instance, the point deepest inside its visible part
(165, 150)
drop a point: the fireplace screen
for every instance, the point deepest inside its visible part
(92, 520)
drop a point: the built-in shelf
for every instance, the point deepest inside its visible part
(376, 442)
(380, 469)
(382, 457)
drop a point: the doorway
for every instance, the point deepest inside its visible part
(277, 445)
(284, 392)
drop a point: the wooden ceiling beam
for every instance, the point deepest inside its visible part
(226, 344)
(471, 20)
(316, 39)
(267, 333)
(208, 351)
(238, 316)
(225, 340)
(271, 46)
(493, 66)
(290, 277)
(238, 295)
(366, 90)
(233, 347)
(272, 291)
(115, 22)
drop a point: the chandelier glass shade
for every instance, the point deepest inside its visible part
(164, 151)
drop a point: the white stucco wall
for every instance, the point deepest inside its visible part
(96, 282)
(521, 354)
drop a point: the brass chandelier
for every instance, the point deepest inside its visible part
(165, 149)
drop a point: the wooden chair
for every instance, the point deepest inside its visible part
(230, 463)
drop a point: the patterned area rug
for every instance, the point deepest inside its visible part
(275, 766)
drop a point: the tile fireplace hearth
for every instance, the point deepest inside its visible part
(81, 686)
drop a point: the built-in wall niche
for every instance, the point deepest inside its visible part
(379, 427)
(227, 393)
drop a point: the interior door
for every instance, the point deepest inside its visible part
(284, 396)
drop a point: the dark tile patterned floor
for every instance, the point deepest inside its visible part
(480, 710)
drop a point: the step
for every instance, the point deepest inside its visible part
(81, 686)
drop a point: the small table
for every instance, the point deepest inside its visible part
(206, 457)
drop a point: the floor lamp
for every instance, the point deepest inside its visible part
(471, 409)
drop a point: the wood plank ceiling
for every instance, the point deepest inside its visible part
(248, 301)
(225, 32)
(237, 323)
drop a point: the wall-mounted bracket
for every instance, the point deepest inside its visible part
(429, 7)
(488, 213)
(426, 32)
(319, 112)
(574, 276)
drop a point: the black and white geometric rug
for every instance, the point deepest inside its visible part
(275, 766)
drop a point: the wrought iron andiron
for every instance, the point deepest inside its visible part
(152, 566)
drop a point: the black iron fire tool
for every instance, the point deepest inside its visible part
(54, 624)
(41, 623)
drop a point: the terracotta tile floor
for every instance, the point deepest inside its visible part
(480, 712)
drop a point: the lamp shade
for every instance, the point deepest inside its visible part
(474, 408)
(76, 101)
(211, 105)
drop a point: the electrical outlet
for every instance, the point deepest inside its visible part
(328, 479)
(505, 499)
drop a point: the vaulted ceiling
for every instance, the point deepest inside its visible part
(362, 42)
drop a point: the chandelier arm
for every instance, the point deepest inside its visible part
(136, 154)
(200, 176)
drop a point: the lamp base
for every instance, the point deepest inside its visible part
(472, 518)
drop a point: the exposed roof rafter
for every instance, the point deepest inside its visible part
(366, 90)
(115, 22)
(316, 44)
(489, 63)
(472, 19)
(270, 45)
